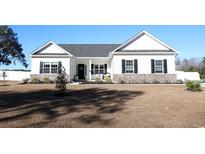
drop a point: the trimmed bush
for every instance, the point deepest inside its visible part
(193, 85)
(46, 80)
(25, 81)
(179, 82)
(35, 80)
(98, 80)
(108, 79)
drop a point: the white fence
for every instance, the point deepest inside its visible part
(15, 75)
(187, 75)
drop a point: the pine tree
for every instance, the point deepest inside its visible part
(10, 48)
(61, 81)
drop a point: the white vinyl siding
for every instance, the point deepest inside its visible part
(144, 63)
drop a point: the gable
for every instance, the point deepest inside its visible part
(50, 48)
(145, 42)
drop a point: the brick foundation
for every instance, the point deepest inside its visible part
(144, 78)
(50, 76)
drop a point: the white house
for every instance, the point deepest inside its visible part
(143, 58)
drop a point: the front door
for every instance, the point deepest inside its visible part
(81, 69)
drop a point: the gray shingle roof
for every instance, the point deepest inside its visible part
(89, 50)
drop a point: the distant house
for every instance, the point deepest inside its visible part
(143, 58)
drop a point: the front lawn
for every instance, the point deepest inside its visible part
(101, 105)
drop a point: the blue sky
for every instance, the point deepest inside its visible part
(188, 40)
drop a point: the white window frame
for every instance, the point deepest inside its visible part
(155, 66)
(99, 69)
(103, 68)
(56, 68)
(43, 71)
(129, 66)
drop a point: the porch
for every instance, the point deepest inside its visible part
(89, 69)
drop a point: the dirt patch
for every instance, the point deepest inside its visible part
(92, 105)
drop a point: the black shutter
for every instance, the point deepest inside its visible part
(123, 66)
(41, 67)
(165, 65)
(135, 66)
(152, 66)
(85, 71)
(59, 67)
(92, 66)
(105, 68)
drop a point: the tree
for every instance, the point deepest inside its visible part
(203, 60)
(10, 48)
(178, 63)
(61, 81)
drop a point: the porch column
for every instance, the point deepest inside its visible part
(90, 62)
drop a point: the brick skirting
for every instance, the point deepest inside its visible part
(50, 76)
(145, 78)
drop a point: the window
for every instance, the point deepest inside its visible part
(54, 67)
(95, 69)
(99, 69)
(49, 67)
(129, 66)
(102, 69)
(158, 66)
(46, 67)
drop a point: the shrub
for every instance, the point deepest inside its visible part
(98, 80)
(155, 82)
(35, 80)
(167, 82)
(25, 81)
(61, 81)
(108, 79)
(122, 82)
(144, 82)
(46, 80)
(202, 76)
(179, 82)
(193, 85)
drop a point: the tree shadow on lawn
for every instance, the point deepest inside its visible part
(92, 105)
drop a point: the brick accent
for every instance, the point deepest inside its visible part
(145, 78)
(50, 76)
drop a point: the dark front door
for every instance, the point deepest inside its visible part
(81, 69)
